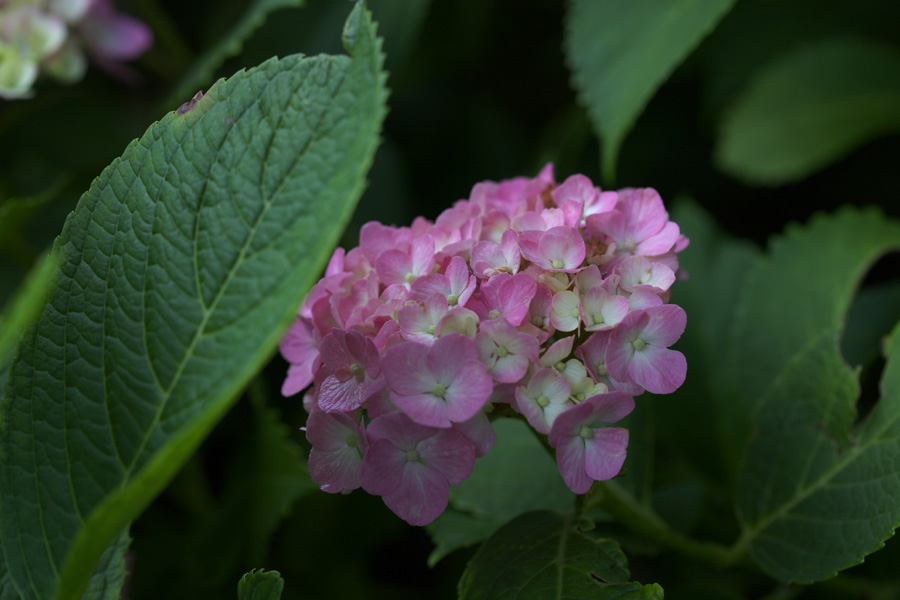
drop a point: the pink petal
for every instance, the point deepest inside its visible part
(421, 497)
(405, 367)
(658, 370)
(479, 432)
(570, 458)
(425, 409)
(605, 452)
(515, 295)
(563, 247)
(382, 467)
(449, 453)
(665, 325)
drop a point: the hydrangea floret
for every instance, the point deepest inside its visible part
(54, 37)
(530, 298)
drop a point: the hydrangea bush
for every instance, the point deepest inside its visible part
(545, 299)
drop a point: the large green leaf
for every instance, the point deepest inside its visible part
(809, 108)
(543, 556)
(180, 269)
(515, 477)
(816, 492)
(621, 52)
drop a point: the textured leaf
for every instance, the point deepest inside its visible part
(621, 52)
(203, 69)
(516, 477)
(180, 269)
(260, 585)
(816, 493)
(540, 555)
(810, 108)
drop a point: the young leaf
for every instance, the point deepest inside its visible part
(621, 52)
(815, 493)
(810, 108)
(260, 585)
(515, 477)
(181, 267)
(542, 555)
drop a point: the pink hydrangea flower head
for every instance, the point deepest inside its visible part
(552, 299)
(412, 466)
(587, 450)
(437, 385)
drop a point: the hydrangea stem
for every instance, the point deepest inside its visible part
(642, 519)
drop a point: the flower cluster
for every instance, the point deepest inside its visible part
(549, 298)
(50, 37)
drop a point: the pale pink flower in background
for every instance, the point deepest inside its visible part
(586, 449)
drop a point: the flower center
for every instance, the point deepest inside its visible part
(601, 370)
(452, 299)
(412, 455)
(439, 390)
(501, 351)
(410, 277)
(598, 319)
(638, 344)
(357, 371)
(559, 366)
(537, 321)
(586, 432)
(542, 401)
(557, 264)
(352, 440)
(432, 329)
(494, 314)
(575, 312)
(580, 397)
